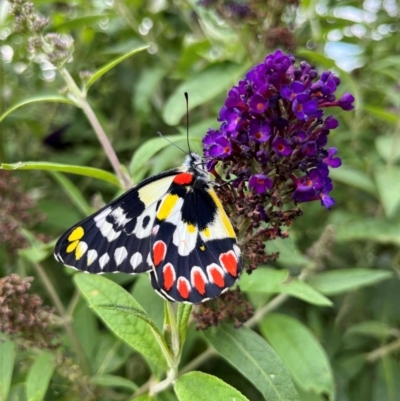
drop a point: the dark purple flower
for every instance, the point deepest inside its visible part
(299, 137)
(304, 107)
(258, 104)
(309, 148)
(260, 183)
(290, 92)
(259, 131)
(331, 161)
(222, 148)
(282, 147)
(231, 118)
(331, 122)
(346, 102)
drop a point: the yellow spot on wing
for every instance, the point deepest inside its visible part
(167, 206)
(206, 232)
(191, 228)
(80, 250)
(202, 248)
(76, 234)
(222, 215)
(71, 247)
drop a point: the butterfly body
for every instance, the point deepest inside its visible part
(171, 225)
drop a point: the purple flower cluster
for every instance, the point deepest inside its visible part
(273, 132)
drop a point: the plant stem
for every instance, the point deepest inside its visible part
(66, 320)
(80, 98)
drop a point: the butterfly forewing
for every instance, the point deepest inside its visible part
(171, 225)
(117, 237)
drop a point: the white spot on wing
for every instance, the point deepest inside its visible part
(141, 232)
(120, 255)
(91, 256)
(101, 216)
(237, 250)
(136, 260)
(184, 239)
(120, 216)
(103, 260)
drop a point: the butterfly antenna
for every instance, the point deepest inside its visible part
(187, 121)
(172, 143)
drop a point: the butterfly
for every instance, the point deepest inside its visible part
(171, 225)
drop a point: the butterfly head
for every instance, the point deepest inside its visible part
(195, 163)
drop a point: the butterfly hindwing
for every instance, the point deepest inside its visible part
(117, 237)
(194, 250)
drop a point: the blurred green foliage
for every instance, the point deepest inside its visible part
(346, 351)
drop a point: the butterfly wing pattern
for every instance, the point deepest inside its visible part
(171, 225)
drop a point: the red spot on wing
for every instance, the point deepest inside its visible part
(159, 251)
(217, 276)
(183, 287)
(183, 179)
(229, 262)
(199, 282)
(169, 276)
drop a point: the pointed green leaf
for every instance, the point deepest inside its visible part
(199, 386)
(388, 147)
(251, 355)
(39, 376)
(355, 178)
(6, 366)
(149, 149)
(386, 385)
(342, 280)
(114, 381)
(388, 183)
(65, 168)
(73, 193)
(203, 87)
(36, 99)
(182, 318)
(378, 230)
(134, 330)
(303, 355)
(272, 281)
(107, 67)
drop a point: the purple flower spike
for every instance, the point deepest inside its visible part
(282, 147)
(260, 183)
(273, 125)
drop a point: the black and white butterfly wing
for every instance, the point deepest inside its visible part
(193, 248)
(117, 237)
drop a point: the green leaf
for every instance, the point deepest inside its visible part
(64, 168)
(131, 328)
(251, 355)
(271, 281)
(342, 280)
(113, 381)
(149, 149)
(355, 178)
(37, 250)
(107, 67)
(386, 385)
(143, 397)
(388, 183)
(381, 231)
(182, 318)
(39, 376)
(73, 193)
(383, 114)
(371, 328)
(388, 147)
(301, 290)
(6, 366)
(289, 254)
(36, 99)
(201, 88)
(303, 355)
(199, 386)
